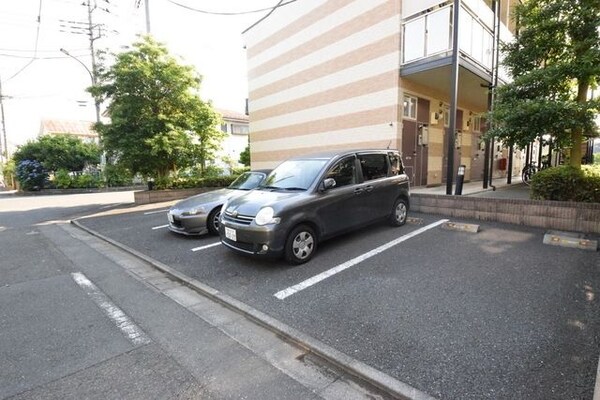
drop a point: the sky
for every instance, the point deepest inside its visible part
(40, 82)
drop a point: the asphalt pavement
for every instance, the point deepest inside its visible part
(82, 319)
(455, 315)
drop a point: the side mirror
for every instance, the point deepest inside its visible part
(328, 184)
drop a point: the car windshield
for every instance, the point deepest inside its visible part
(294, 175)
(247, 181)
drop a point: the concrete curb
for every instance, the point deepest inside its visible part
(349, 365)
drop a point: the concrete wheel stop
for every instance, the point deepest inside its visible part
(570, 239)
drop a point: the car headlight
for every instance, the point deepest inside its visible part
(265, 217)
(194, 211)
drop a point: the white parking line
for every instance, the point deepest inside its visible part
(324, 275)
(155, 212)
(131, 330)
(208, 246)
(160, 227)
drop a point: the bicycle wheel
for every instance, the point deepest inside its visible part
(527, 174)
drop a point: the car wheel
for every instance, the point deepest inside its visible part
(399, 213)
(212, 222)
(301, 245)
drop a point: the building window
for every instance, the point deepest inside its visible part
(446, 116)
(410, 107)
(239, 129)
(477, 123)
(224, 128)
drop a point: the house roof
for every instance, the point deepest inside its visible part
(68, 127)
(229, 115)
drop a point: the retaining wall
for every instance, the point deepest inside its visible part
(158, 196)
(565, 216)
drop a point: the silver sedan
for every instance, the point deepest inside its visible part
(199, 214)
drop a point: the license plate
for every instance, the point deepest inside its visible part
(230, 234)
(170, 217)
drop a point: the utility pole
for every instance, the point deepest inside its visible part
(93, 54)
(3, 152)
(147, 8)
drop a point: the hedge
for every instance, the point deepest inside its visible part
(565, 183)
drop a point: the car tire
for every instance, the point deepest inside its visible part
(301, 245)
(212, 221)
(399, 213)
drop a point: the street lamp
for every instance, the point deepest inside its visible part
(92, 77)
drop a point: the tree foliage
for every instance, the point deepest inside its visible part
(554, 60)
(56, 152)
(158, 122)
(245, 156)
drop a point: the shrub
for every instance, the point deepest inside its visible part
(218, 181)
(86, 181)
(212, 170)
(62, 179)
(31, 175)
(238, 171)
(117, 175)
(566, 183)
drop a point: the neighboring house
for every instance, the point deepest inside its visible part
(236, 126)
(371, 74)
(81, 129)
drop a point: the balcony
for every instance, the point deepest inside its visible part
(427, 45)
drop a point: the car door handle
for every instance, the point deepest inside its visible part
(369, 189)
(358, 190)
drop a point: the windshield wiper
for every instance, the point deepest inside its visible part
(270, 187)
(294, 188)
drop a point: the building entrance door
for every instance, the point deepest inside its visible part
(415, 135)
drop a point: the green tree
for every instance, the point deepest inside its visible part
(56, 152)
(245, 156)
(554, 61)
(158, 122)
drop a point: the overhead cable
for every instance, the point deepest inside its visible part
(270, 9)
(37, 39)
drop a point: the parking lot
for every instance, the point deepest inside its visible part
(458, 315)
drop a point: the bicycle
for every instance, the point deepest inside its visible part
(529, 170)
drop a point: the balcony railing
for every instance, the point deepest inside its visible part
(428, 33)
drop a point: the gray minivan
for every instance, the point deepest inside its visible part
(308, 199)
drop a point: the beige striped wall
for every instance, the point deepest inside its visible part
(324, 75)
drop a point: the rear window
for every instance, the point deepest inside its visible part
(396, 167)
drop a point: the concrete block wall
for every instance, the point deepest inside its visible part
(566, 216)
(158, 196)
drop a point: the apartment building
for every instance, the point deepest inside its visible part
(335, 74)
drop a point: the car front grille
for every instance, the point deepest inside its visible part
(238, 219)
(244, 247)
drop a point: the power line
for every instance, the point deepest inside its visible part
(37, 38)
(270, 9)
(32, 51)
(266, 15)
(39, 58)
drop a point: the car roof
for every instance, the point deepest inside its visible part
(326, 155)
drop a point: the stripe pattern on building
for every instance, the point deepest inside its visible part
(324, 75)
